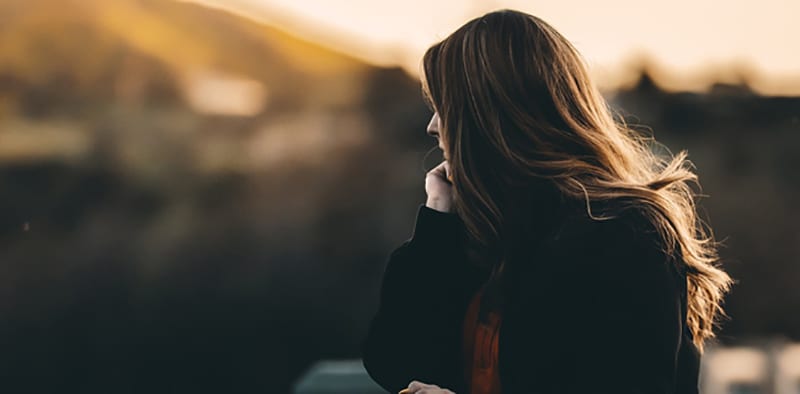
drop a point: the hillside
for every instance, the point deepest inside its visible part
(89, 49)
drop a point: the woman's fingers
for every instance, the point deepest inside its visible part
(442, 172)
(417, 387)
(439, 188)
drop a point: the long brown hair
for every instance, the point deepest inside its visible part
(516, 103)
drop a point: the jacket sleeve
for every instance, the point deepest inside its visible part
(608, 318)
(416, 332)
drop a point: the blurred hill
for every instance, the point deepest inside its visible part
(196, 202)
(140, 50)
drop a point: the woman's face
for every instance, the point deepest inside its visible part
(434, 126)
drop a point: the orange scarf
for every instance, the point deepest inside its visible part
(480, 349)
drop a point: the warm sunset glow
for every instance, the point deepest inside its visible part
(689, 44)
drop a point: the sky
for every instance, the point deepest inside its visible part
(687, 43)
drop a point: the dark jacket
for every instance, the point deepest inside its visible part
(592, 307)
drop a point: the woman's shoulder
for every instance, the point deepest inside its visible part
(627, 235)
(583, 220)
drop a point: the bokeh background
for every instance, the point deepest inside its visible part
(200, 197)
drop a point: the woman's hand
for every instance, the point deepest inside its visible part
(416, 387)
(439, 188)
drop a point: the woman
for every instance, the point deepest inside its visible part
(555, 253)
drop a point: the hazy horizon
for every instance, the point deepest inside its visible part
(617, 39)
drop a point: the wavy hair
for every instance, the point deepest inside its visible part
(517, 106)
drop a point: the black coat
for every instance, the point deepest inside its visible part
(593, 307)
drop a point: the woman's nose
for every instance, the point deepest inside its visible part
(433, 126)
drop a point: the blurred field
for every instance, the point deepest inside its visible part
(192, 202)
